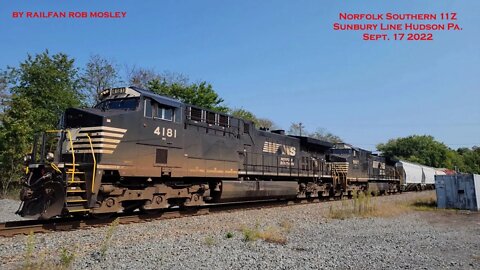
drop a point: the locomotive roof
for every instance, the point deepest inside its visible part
(314, 143)
(349, 146)
(158, 98)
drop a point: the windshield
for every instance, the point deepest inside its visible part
(127, 104)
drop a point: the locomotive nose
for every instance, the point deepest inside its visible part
(82, 118)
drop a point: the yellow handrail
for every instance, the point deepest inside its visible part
(73, 154)
(94, 163)
(55, 167)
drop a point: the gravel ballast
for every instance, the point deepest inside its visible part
(7, 210)
(410, 240)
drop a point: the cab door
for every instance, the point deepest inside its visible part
(160, 151)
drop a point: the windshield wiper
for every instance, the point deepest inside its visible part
(104, 106)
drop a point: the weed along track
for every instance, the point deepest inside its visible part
(361, 205)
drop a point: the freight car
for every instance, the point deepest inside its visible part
(415, 176)
(139, 150)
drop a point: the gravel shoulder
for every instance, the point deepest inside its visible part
(8, 208)
(438, 239)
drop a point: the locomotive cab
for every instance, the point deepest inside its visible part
(66, 167)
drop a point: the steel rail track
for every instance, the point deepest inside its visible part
(12, 228)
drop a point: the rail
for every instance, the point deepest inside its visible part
(9, 229)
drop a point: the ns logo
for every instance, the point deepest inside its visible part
(276, 148)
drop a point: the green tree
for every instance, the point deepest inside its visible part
(265, 123)
(470, 159)
(324, 135)
(15, 136)
(427, 151)
(100, 73)
(50, 84)
(201, 94)
(297, 129)
(247, 115)
(4, 94)
(141, 77)
(419, 149)
(243, 114)
(174, 77)
(41, 88)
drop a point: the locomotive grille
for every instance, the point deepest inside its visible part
(341, 167)
(104, 139)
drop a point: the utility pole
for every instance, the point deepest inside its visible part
(300, 127)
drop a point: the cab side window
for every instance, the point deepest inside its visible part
(148, 108)
(164, 113)
(158, 111)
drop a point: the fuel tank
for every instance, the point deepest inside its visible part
(233, 191)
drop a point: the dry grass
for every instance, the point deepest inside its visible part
(286, 225)
(209, 241)
(271, 234)
(364, 206)
(108, 237)
(424, 204)
(360, 205)
(37, 261)
(250, 235)
(63, 257)
(11, 193)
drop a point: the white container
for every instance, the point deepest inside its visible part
(415, 176)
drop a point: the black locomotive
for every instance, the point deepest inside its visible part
(139, 150)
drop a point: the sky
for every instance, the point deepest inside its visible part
(282, 60)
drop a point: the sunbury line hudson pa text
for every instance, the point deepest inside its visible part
(396, 26)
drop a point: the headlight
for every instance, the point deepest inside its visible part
(27, 158)
(50, 156)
